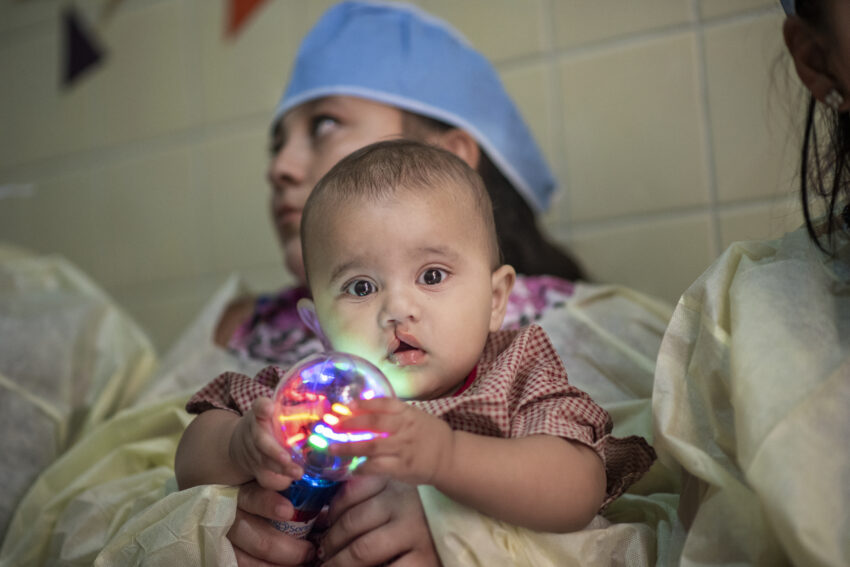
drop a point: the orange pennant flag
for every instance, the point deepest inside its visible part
(239, 11)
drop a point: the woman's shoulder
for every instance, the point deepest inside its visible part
(245, 314)
(236, 313)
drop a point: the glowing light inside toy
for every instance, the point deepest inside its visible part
(355, 462)
(313, 399)
(318, 441)
(295, 439)
(341, 409)
(329, 433)
(299, 417)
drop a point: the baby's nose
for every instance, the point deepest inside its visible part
(400, 306)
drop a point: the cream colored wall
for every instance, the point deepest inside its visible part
(664, 120)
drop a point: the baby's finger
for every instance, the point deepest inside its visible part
(384, 465)
(357, 448)
(291, 470)
(269, 446)
(388, 423)
(282, 466)
(263, 406)
(263, 410)
(378, 405)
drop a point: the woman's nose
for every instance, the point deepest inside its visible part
(288, 167)
(399, 307)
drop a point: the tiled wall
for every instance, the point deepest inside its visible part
(671, 124)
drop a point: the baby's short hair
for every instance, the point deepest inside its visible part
(385, 169)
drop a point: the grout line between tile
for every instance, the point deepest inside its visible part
(637, 220)
(50, 23)
(707, 132)
(181, 284)
(635, 38)
(199, 175)
(134, 149)
(162, 142)
(561, 169)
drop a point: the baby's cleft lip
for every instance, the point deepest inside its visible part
(404, 350)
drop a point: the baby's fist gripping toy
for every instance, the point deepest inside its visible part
(309, 402)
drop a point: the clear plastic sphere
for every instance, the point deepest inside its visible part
(311, 399)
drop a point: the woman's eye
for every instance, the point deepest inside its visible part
(276, 144)
(432, 276)
(323, 125)
(360, 288)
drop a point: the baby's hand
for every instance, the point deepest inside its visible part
(416, 447)
(256, 452)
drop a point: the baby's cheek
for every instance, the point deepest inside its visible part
(353, 339)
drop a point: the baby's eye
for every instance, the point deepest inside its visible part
(432, 276)
(360, 288)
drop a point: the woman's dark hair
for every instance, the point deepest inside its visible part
(523, 245)
(521, 242)
(825, 164)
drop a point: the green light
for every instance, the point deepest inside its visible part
(318, 441)
(355, 462)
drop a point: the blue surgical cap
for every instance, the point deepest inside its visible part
(788, 5)
(398, 55)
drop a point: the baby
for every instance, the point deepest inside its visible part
(402, 261)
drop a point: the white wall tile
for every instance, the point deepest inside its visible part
(237, 225)
(165, 309)
(661, 258)
(148, 173)
(247, 73)
(715, 8)
(15, 14)
(579, 22)
(148, 211)
(145, 85)
(60, 219)
(634, 140)
(40, 119)
(750, 103)
(500, 29)
(530, 86)
(760, 221)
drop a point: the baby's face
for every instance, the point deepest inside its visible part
(407, 284)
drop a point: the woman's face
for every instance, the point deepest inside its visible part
(306, 143)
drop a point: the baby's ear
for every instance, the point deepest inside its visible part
(502, 282)
(307, 312)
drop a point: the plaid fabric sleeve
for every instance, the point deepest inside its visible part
(523, 390)
(234, 391)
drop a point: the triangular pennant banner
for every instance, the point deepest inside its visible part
(82, 51)
(239, 12)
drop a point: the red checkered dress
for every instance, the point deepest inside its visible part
(520, 389)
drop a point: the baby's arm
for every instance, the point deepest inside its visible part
(221, 447)
(540, 482)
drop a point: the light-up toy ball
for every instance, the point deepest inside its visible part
(309, 402)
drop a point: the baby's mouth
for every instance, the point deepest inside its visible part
(403, 353)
